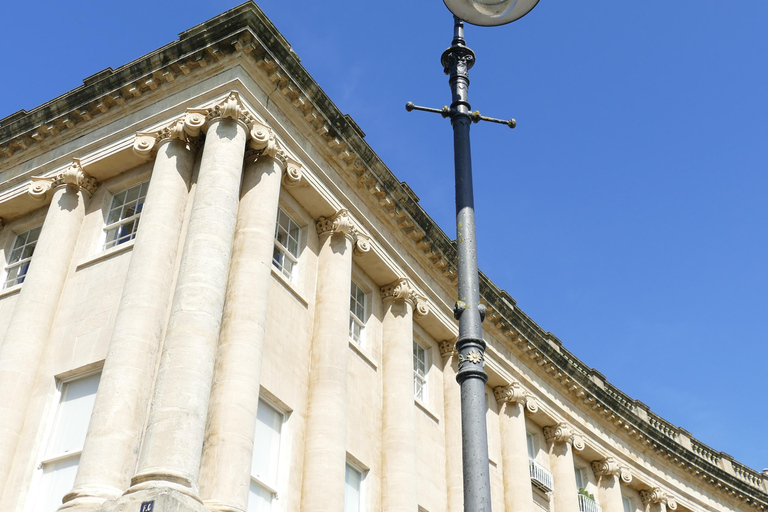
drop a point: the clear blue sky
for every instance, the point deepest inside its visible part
(626, 213)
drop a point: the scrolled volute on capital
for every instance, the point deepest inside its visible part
(563, 433)
(341, 223)
(658, 495)
(186, 129)
(231, 108)
(404, 290)
(263, 142)
(610, 466)
(515, 393)
(74, 175)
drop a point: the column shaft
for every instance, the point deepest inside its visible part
(565, 493)
(226, 463)
(30, 325)
(111, 446)
(325, 445)
(173, 441)
(609, 493)
(452, 412)
(399, 474)
(518, 495)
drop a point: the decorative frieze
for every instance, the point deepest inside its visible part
(658, 495)
(403, 289)
(73, 175)
(610, 466)
(515, 393)
(563, 433)
(341, 223)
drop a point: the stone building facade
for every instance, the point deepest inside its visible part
(278, 332)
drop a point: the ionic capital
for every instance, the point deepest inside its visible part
(186, 129)
(74, 175)
(610, 466)
(341, 223)
(263, 142)
(563, 433)
(231, 108)
(658, 495)
(516, 394)
(447, 348)
(403, 290)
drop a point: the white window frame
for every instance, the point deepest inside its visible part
(423, 379)
(627, 503)
(354, 319)
(259, 480)
(283, 251)
(46, 457)
(355, 466)
(12, 264)
(123, 221)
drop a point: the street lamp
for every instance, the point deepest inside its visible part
(456, 61)
(488, 13)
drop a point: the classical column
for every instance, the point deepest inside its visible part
(452, 413)
(173, 440)
(30, 325)
(399, 483)
(610, 473)
(325, 445)
(225, 471)
(562, 440)
(114, 433)
(514, 401)
(657, 500)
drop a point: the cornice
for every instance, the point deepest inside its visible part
(247, 33)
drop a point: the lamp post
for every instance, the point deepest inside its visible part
(456, 61)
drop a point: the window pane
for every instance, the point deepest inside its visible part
(579, 477)
(259, 499)
(58, 479)
(114, 215)
(531, 445)
(23, 248)
(352, 490)
(418, 388)
(33, 234)
(627, 504)
(266, 446)
(126, 204)
(73, 416)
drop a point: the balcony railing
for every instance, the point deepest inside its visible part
(587, 504)
(540, 476)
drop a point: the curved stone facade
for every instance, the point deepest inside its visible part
(208, 356)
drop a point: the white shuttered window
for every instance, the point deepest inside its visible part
(264, 465)
(65, 443)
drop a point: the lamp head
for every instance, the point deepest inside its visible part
(488, 13)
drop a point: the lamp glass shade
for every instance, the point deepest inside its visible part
(488, 13)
